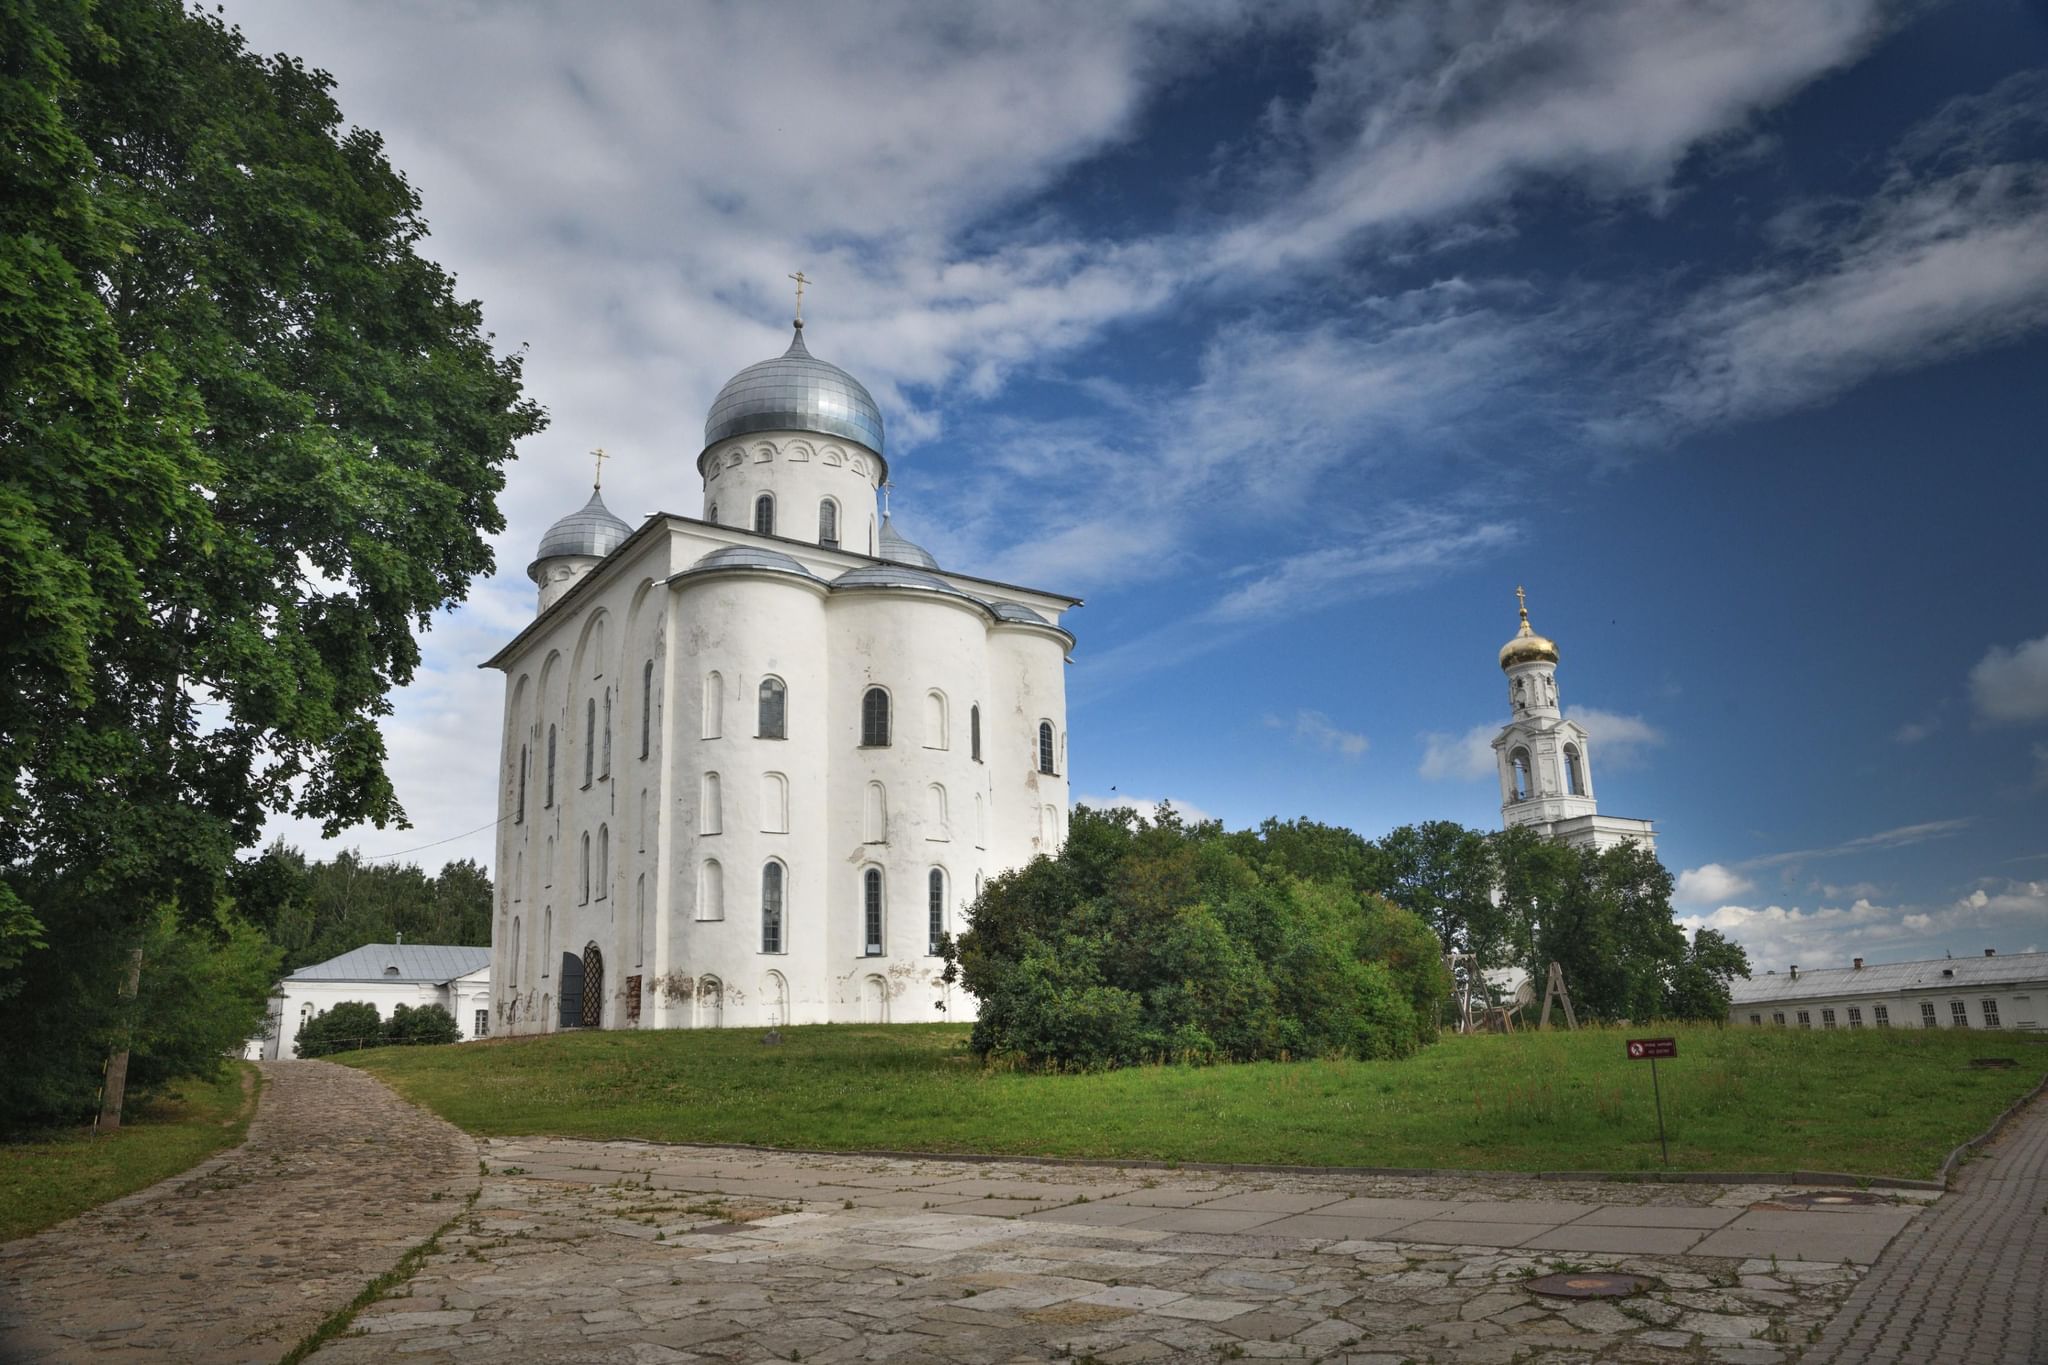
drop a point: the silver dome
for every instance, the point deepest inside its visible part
(795, 392)
(590, 530)
(895, 547)
(1017, 611)
(750, 557)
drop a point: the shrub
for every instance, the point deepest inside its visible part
(422, 1024)
(350, 1025)
(1164, 942)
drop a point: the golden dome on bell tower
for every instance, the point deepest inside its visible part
(1527, 647)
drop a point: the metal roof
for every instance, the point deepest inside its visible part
(750, 557)
(896, 548)
(796, 391)
(1016, 611)
(1892, 978)
(435, 962)
(589, 530)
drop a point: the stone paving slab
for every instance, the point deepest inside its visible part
(240, 1258)
(994, 1262)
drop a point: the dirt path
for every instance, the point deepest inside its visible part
(240, 1257)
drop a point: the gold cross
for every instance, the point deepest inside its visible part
(800, 283)
(598, 455)
(1522, 600)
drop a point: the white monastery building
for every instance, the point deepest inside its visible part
(1988, 992)
(1545, 763)
(756, 764)
(386, 975)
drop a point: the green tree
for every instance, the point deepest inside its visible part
(1161, 941)
(412, 1025)
(1610, 927)
(1445, 873)
(1701, 985)
(348, 1027)
(253, 441)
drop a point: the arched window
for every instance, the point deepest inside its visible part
(935, 720)
(597, 649)
(646, 707)
(935, 821)
(710, 806)
(771, 907)
(875, 815)
(828, 524)
(974, 733)
(871, 911)
(774, 803)
(589, 740)
(604, 767)
(583, 868)
(1519, 760)
(547, 940)
(640, 920)
(980, 822)
(764, 515)
(547, 868)
(519, 809)
(513, 966)
(551, 769)
(711, 513)
(1574, 777)
(646, 817)
(714, 704)
(1045, 750)
(774, 717)
(711, 890)
(935, 899)
(874, 718)
(604, 859)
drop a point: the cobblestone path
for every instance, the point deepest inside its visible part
(594, 1251)
(1968, 1281)
(240, 1257)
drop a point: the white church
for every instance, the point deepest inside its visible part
(757, 764)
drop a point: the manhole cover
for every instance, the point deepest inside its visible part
(1833, 1199)
(1590, 1286)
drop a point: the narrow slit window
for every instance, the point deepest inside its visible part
(774, 710)
(771, 908)
(935, 895)
(646, 707)
(974, 733)
(1045, 747)
(874, 719)
(871, 911)
(519, 809)
(764, 515)
(604, 767)
(589, 740)
(828, 524)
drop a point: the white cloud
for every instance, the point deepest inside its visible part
(1950, 255)
(1710, 884)
(1904, 836)
(1616, 741)
(1147, 806)
(1913, 731)
(2012, 684)
(1830, 935)
(1315, 728)
(1459, 758)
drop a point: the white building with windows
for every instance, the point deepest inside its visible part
(1544, 759)
(756, 764)
(386, 975)
(1988, 992)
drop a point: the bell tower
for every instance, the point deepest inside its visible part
(1544, 759)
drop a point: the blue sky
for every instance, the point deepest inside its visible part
(1293, 338)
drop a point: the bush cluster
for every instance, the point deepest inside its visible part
(1160, 941)
(355, 1024)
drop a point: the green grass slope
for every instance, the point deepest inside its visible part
(1871, 1102)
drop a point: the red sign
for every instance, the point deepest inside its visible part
(1645, 1049)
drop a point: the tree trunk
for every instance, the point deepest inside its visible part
(116, 1088)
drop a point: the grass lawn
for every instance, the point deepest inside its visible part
(51, 1178)
(1872, 1102)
